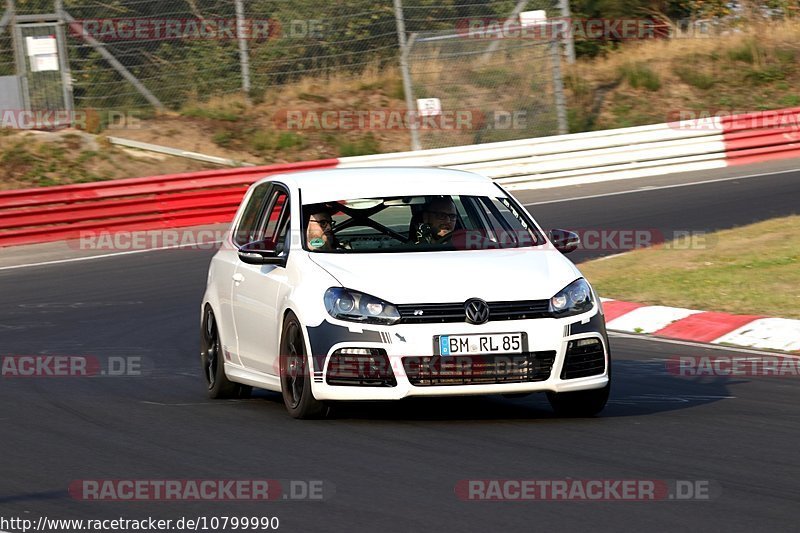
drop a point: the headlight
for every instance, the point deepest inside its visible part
(574, 299)
(354, 306)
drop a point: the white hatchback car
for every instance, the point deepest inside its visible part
(384, 283)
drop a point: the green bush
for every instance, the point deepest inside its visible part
(746, 52)
(365, 146)
(765, 75)
(694, 77)
(223, 138)
(226, 115)
(290, 140)
(639, 75)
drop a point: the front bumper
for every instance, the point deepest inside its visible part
(415, 341)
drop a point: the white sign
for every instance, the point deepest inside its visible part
(44, 63)
(41, 46)
(532, 18)
(429, 107)
(42, 53)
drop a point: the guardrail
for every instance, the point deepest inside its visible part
(681, 146)
(179, 200)
(762, 136)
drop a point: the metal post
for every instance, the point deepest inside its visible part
(7, 16)
(19, 56)
(150, 97)
(407, 87)
(63, 59)
(558, 88)
(244, 57)
(570, 39)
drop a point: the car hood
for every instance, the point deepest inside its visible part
(453, 276)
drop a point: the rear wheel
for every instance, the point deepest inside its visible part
(579, 403)
(213, 362)
(295, 374)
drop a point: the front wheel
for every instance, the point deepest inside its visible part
(579, 403)
(295, 374)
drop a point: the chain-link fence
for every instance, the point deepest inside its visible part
(488, 93)
(6, 46)
(167, 54)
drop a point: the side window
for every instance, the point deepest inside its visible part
(276, 218)
(248, 226)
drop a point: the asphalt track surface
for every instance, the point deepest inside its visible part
(386, 467)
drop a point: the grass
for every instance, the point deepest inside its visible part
(639, 75)
(365, 146)
(753, 269)
(690, 75)
(491, 78)
(229, 109)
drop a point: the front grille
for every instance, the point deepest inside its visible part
(427, 371)
(584, 358)
(360, 370)
(454, 312)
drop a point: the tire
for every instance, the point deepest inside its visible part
(213, 363)
(295, 374)
(583, 403)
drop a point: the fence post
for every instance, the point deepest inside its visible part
(558, 87)
(7, 16)
(63, 54)
(244, 57)
(407, 88)
(570, 40)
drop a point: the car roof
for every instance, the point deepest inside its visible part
(370, 182)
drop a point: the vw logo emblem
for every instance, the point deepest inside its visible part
(477, 311)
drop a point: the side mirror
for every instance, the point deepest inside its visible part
(262, 253)
(563, 240)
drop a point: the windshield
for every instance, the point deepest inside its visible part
(416, 223)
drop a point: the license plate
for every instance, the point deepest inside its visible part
(480, 344)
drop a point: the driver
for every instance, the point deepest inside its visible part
(438, 219)
(319, 229)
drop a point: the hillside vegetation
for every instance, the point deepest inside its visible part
(634, 84)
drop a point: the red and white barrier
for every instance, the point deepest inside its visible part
(762, 136)
(641, 151)
(700, 326)
(139, 204)
(180, 200)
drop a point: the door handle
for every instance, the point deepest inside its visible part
(238, 277)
